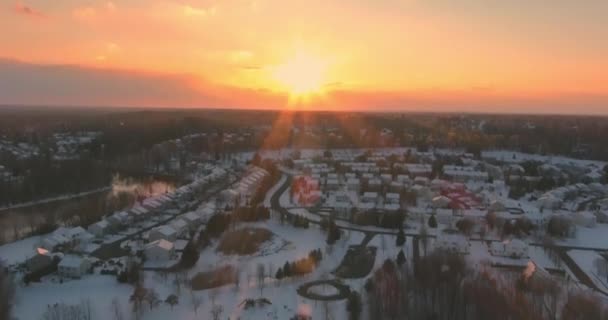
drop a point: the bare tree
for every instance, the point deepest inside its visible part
(270, 270)
(424, 238)
(152, 298)
(117, 309)
(237, 278)
(196, 301)
(216, 311)
(261, 274)
(137, 298)
(172, 300)
(213, 295)
(62, 311)
(7, 294)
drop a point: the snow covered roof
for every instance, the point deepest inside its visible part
(70, 261)
(102, 224)
(392, 195)
(161, 243)
(179, 224)
(191, 216)
(166, 230)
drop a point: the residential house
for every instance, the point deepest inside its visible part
(180, 226)
(513, 248)
(441, 202)
(99, 228)
(159, 250)
(584, 219)
(163, 232)
(453, 243)
(73, 266)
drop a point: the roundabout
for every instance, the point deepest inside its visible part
(324, 290)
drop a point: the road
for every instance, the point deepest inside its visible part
(369, 234)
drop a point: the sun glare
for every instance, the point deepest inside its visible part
(302, 74)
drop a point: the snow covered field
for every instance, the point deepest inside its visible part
(18, 251)
(100, 290)
(586, 259)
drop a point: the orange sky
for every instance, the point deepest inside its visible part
(465, 55)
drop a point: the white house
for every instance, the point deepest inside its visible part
(513, 248)
(396, 186)
(418, 170)
(163, 232)
(584, 219)
(441, 202)
(453, 243)
(392, 198)
(422, 192)
(353, 184)
(463, 174)
(374, 184)
(80, 238)
(404, 178)
(386, 178)
(138, 212)
(99, 228)
(370, 197)
(423, 181)
(192, 218)
(73, 266)
(118, 219)
(180, 226)
(159, 250)
(549, 201)
(332, 184)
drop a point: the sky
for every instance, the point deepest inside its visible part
(543, 56)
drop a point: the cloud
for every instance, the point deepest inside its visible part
(90, 13)
(69, 85)
(190, 11)
(110, 6)
(250, 67)
(84, 13)
(25, 10)
(24, 83)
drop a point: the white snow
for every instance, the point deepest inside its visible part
(18, 251)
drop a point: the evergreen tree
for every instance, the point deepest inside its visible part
(401, 258)
(354, 306)
(286, 269)
(400, 238)
(432, 222)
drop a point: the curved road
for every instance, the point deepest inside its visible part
(369, 234)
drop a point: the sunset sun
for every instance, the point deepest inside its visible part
(302, 74)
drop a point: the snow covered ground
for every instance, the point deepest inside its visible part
(596, 237)
(18, 251)
(585, 259)
(101, 290)
(479, 253)
(33, 300)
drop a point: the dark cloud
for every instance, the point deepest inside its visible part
(24, 83)
(26, 10)
(31, 84)
(68, 85)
